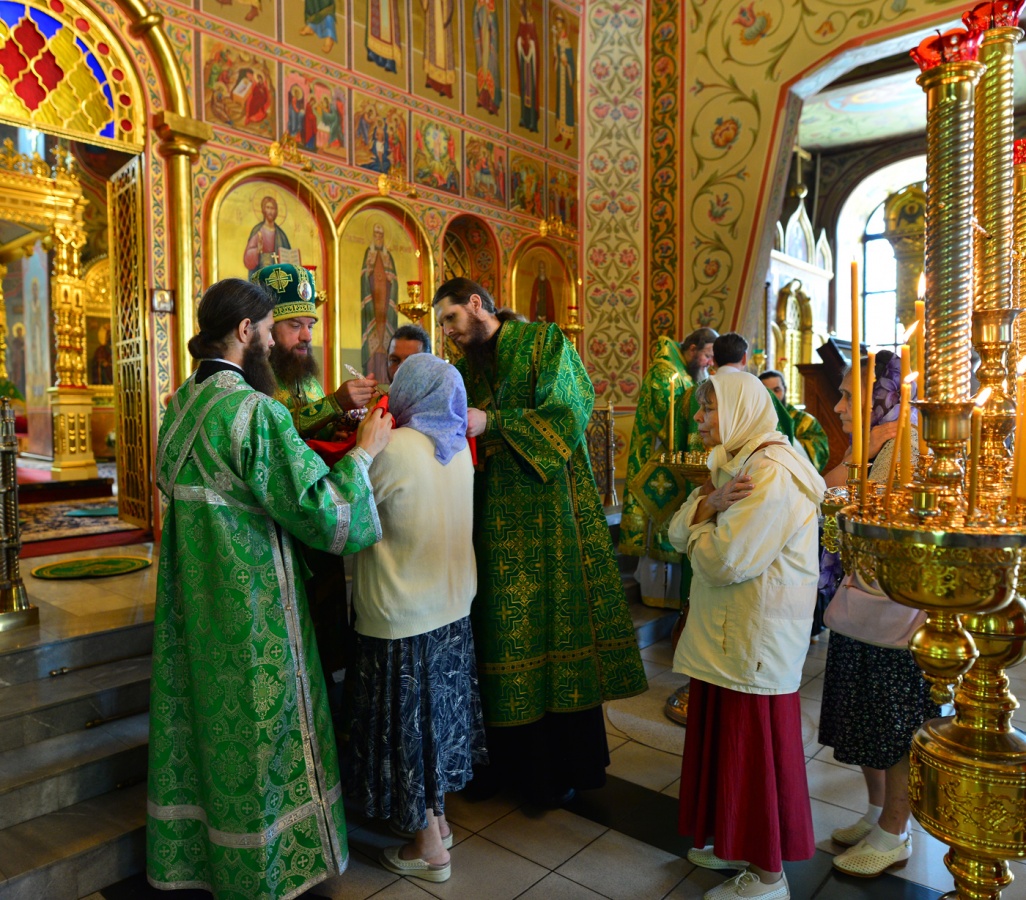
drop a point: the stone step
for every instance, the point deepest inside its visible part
(22, 662)
(651, 625)
(65, 770)
(76, 851)
(48, 707)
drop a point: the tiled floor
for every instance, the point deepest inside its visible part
(619, 842)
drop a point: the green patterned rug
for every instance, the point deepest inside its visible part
(91, 567)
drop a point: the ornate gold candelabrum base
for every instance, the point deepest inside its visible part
(946, 430)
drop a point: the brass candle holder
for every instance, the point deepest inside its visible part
(415, 307)
(967, 772)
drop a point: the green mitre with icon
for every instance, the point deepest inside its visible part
(292, 288)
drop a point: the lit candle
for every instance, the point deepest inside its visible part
(856, 369)
(1019, 455)
(975, 440)
(867, 418)
(670, 447)
(903, 447)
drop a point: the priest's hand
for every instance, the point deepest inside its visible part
(356, 393)
(477, 419)
(375, 432)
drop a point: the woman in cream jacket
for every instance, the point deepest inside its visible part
(751, 536)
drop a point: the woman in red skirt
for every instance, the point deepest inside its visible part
(751, 535)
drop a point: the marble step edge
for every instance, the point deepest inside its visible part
(70, 708)
(48, 759)
(77, 850)
(29, 659)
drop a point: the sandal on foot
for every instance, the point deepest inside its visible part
(865, 861)
(706, 859)
(409, 835)
(850, 835)
(415, 868)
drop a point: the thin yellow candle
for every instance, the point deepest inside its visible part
(856, 368)
(1019, 454)
(867, 417)
(904, 438)
(903, 447)
(921, 356)
(892, 470)
(975, 442)
(671, 446)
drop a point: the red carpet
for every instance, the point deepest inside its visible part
(86, 542)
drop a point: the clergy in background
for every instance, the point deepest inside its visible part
(553, 633)
(675, 368)
(807, 430)
(244, 797)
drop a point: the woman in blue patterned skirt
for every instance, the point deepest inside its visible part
(416, 715)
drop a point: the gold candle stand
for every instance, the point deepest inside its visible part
(967, 782)
(15, 609)
(1018, 349)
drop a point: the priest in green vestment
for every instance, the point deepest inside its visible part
(244, 797)
(807, 430)
(553, 633)
(674, 369)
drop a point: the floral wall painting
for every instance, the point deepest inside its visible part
(315, 114)
(564, 39)
(484, 37)
(527, 70)
(261, 221)
(381, 41)
(563, 195)
(379, 135)
(378, 259)
(436, 155)
(542, 288)
(526, 185)
(435, 46)
(486, 171)
(319, 30)
(239, 89)
(255, 15)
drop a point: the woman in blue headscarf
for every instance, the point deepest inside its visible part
(874, 695)
(416, 715)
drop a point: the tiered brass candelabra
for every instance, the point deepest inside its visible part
(925, 546)
(15, 609)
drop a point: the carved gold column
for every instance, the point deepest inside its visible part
(71, 400)
(993, 312)
(905, 230)
(180, 140)
(1018, 349)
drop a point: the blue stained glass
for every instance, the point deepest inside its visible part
(11, 13)
(107, 94)
(47, 24)
(108, 130)
(97, 70)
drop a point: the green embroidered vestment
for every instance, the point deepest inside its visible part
(810, 434)
(244, 794)
(551, 624)
(314, 414)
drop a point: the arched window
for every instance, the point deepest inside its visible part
(879, 286)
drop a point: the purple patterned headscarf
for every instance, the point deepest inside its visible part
(428, 395)
(887, 394)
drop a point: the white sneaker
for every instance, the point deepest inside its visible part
(865, 861)
(706, 859)
(747, 884)
(850, 835)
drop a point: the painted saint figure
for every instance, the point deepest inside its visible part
(265, 239)
(527, 68)
(486, 46)
(543, 302)
(101, 366)
(379, 302)
(439, 58)
(384, 35)
(319, 19)
(566, 78)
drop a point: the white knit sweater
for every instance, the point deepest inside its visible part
(422, 575)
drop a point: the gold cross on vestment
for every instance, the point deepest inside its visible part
(279, 279)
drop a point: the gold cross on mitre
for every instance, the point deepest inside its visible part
(279, 279)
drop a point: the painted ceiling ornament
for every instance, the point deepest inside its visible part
(1000, 14)
(754, 24)
(956, 45)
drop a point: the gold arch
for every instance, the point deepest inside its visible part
(306, 193)
(529, 243)
(404, 213)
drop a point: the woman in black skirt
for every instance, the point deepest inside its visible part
(874, 698)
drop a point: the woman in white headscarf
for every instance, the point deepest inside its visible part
(751, 535)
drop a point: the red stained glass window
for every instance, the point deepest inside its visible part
(30, 90)
(48, 71)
